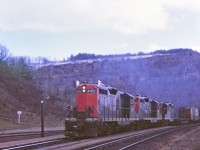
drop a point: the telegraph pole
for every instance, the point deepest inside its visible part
(42, 120)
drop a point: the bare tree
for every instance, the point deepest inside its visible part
(3, 53)
(21, 66)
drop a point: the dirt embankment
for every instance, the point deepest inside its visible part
(17, 94)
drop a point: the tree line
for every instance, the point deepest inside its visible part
(21, 66)
(86, 56)
(18, 66)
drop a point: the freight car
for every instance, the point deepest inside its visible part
(188, 114)
(103, 109)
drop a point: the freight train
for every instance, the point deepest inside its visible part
(104, 110)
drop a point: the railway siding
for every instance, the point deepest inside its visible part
(29, 141)
(175, 140)
(181, 140)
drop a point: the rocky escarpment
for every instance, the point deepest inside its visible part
(173, 77)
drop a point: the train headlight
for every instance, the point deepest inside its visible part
(84, 88)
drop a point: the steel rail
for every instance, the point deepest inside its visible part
(128, 138)
(154, 136)
(121, 139)
(29, 145)
(146, 139)
(2, 135)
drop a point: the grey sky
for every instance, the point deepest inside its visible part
(59, 28)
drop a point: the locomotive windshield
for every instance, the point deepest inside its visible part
(91, 90)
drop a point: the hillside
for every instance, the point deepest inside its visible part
(172, 76)
(17, 94)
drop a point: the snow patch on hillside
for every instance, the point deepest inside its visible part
(58, 63)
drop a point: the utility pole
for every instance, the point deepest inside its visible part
(42, 120)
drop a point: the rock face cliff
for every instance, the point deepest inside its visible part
(172, 77)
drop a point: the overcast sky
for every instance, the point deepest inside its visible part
(58, 28)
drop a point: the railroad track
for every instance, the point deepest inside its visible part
(123, 141)
(34, 145)
(100, 142)
(57, 143)
(24, 135)
(29, 133)
(130, 142)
